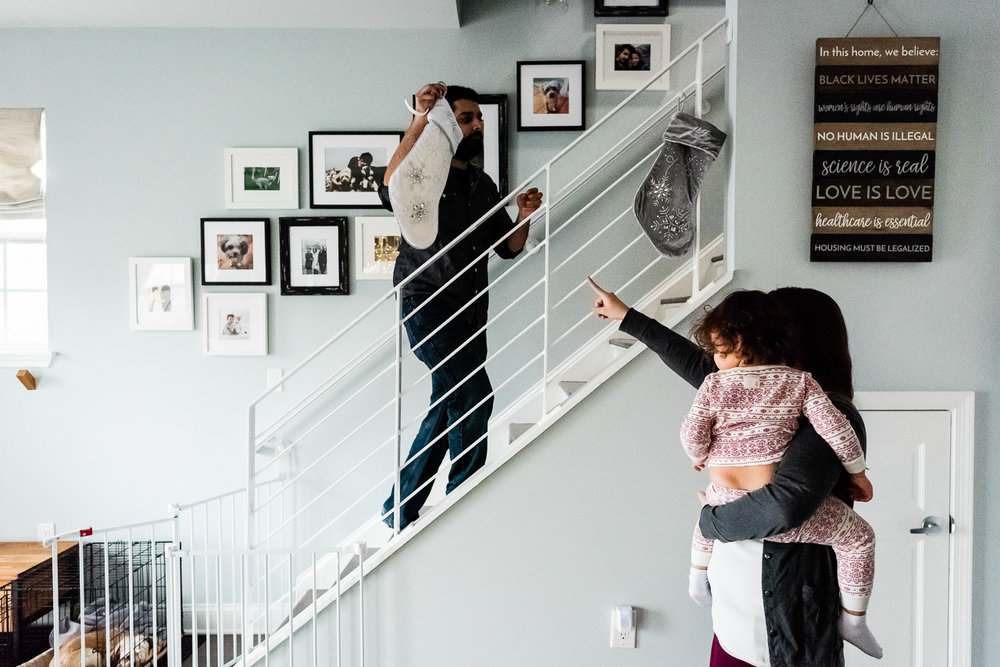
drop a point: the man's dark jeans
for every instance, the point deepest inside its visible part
(472, 395)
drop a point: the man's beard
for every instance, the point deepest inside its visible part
(470, 147)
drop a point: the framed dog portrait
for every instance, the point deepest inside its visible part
(550, 95)
(313, 255)
(161, 294)
(345, 168)
(630, 7)
(236, 324)
(262, 177)
(235, 251)
(376, 245)
(628, 54)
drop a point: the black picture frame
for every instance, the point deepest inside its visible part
(613, 8)
(235, 251)
(319, 264)
(561, 106)
(333, 183)
(494, 160)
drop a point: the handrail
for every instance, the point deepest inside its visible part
(505, 200)
(554, 296)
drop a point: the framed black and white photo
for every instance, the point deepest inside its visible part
(235, 324)
(628, 54)
(494, 159)
(161, 296)
(550, 95)
(314, 255)
(235, 251)
(630, 7)
(262, 177)
(376, 245)
(345, 168)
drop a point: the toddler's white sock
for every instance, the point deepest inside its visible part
(699, 588)
(854, 629)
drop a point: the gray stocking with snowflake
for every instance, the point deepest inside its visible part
(664, 204)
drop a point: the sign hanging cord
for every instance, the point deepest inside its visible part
(871, 5)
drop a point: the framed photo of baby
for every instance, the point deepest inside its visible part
(235, 324)
(550, 95)
(235, 251)
(345, 168)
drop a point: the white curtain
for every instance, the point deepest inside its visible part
(21, 190)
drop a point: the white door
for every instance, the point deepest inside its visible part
(909, 461)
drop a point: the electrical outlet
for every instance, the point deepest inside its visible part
(46, 531)
(622, 638)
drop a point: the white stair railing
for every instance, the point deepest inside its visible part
(335, 434)
(243, 572)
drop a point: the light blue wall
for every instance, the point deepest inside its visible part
(528, 566)
(124, 422)
(592, 515)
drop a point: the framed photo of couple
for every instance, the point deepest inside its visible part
(629, 54)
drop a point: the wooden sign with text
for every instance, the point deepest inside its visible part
(875, 128)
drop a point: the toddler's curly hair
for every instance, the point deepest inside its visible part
(749, 320)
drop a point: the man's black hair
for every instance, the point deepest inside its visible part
(456, 93)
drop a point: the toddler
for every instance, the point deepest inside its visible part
(739, 427)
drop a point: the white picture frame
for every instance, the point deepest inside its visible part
(262, 178)
(373, 245)
(235, 324)
(651, 41)
(161, 294)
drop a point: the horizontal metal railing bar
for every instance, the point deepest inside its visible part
(319, 496)
(691, 48)
(583, 247)
(489, 358)
(322, 493)
(266, 502)
(469, 304)
(584, 284)
(478, 332)
(322, 457)
(379, 342)
(77, 535)
(322, 388)
(484, 254)
(330, 341)
(391, 475)
(504, 201)
(596, 199)
(632, 137)
(343, 404)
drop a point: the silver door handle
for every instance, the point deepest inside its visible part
(930, 527)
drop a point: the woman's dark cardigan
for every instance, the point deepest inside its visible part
(799, 581)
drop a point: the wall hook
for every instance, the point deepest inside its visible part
(27, 379)
(871, 5)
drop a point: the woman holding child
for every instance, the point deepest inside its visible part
(773, 603)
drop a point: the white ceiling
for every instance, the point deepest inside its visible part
(356, 14)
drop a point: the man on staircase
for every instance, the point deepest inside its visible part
(437, 195)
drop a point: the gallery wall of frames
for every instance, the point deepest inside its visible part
(320, 255)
